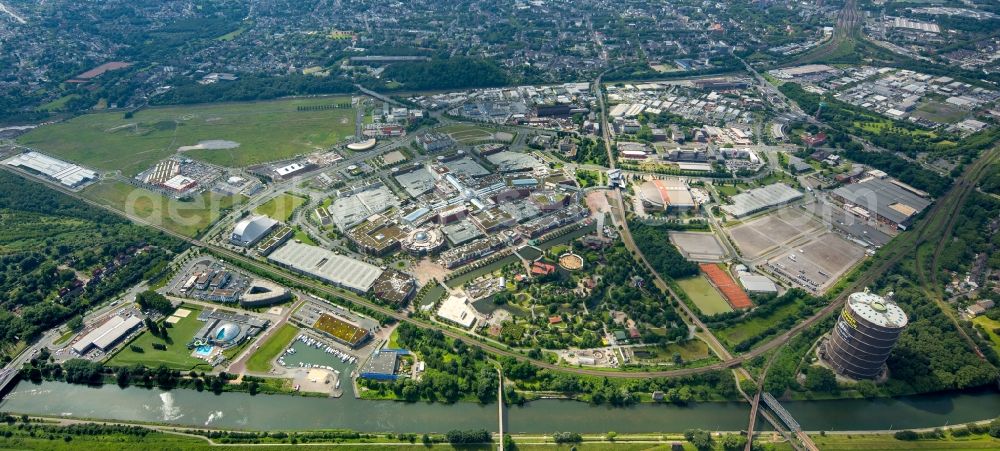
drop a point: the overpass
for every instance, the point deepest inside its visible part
(8, 379)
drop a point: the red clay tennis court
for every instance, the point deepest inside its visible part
(735, 295)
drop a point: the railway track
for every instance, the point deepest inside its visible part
(892, 255)
(929, 276)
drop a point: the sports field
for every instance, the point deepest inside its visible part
(177, 356)
(704, 295)
(730, 290)
(280, 208)
(189, 218)
(265, 131)
(260, 361)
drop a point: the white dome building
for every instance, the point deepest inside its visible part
(251, 230)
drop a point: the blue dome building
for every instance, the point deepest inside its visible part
(226, 334)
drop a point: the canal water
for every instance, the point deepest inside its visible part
(273, 412)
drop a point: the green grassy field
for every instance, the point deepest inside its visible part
(888, 442)
(64, 338)
(690, 351)
(106, 442)
(188, 218)
(22, 439)
(704, 295)
(304, 237)
(940, 112)
(59, 103)
(260, 361)
(177, 356)
(742, 331)
(465, 133)
(266, 131)
(280, 208)
(990, 325)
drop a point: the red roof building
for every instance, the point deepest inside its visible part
(814, 140)
(542, 269)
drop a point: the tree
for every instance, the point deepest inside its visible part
(994, 430)
(152, 301)
(456, 436)
(906, 435)
(821, 379)
(700, 438)
(80, 371)
(733, 442)
(567, 437)
(75, 323)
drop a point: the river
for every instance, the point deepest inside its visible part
(273, 412)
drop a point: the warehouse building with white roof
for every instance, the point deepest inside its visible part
(67, 174)
(251, 230)
(325, 265)
(107, 335)
(760, 199)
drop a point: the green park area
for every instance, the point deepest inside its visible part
(264, 131)
(176, 355)
(281, 207)
(187, 217)
(704, 295)
(260, 361)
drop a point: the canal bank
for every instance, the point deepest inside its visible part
(276, 412)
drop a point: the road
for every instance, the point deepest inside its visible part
(728, 360)
(403, 317)
(706, 334)
(5, 9)
(239, 364)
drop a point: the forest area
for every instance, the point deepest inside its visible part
(60, 256)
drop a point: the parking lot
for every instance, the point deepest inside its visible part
(818, 263)
(702, 247)
(760, 235)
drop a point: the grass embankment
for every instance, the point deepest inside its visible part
(260, 361)
(885, 442)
